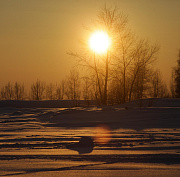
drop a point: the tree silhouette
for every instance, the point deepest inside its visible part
(37, 90)
(19, 91)
(7, 92)
(177, 77)
(127, 63)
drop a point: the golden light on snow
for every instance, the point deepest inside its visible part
(99, 41)
(102, 134)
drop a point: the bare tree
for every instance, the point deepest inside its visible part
(110, 21)
(86, 86)
(132, 66)
(73, 86)
(50, 91)
(19, 91)
(7, 92)
(60, 90)
(177, 77)
(158, 85)
(172, 84)
(145, 55)
(37, 90)
(3, 95)
(88, 90)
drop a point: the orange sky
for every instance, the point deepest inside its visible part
(35, 35)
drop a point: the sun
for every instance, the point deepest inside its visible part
(99, 42)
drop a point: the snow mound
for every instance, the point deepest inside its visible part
(152, 102)
(45, 103)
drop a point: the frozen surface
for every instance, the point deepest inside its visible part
(129, 140)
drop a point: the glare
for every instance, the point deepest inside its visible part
(102, 134)
(99, 42)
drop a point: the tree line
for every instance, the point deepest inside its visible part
(76, 87)
(71, 88)
(124, 73)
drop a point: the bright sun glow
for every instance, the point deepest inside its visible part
(99, 41)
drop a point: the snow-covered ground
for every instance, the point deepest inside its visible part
(140, 138)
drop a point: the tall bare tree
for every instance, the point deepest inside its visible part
(110, 21)
(145, 55)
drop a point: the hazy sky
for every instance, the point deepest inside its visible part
(35, 35)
